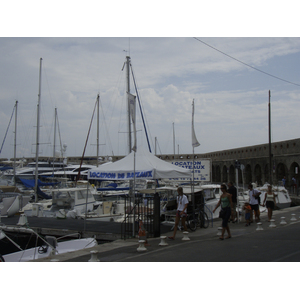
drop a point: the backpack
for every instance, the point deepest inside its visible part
(257, 197)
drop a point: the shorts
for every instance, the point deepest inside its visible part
(254, 207)
(270, 204)
(226, 218)
(180, 216)
(247, 216)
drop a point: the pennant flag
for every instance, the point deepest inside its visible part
(131, 99)
(195, 142)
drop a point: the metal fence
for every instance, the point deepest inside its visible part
(144, 210)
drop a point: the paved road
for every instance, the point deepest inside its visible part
(280, 244)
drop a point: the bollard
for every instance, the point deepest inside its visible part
(22, 220)
(293, 218)
(219, 231)
(259, 227)
(141, 246)
(94, 257)
(283, 222)
(272, 225)
(185, 236)
(163, 241)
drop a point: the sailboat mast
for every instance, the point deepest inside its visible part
(38, 133)
(54, 138)
(98, 98)
(128, 102)
(174, 140)
(15, 142)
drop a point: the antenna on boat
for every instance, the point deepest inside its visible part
(129, 45)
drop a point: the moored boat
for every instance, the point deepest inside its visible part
(48, 246)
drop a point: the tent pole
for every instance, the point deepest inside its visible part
(193, 190)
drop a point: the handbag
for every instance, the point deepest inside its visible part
(222, 213)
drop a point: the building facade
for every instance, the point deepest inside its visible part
(255, 163)
(253, 159)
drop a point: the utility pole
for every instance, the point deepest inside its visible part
(98, 100)
(270, 146)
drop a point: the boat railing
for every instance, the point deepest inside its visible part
(25, 230)
(69, 235)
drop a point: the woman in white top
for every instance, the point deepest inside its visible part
(270, 202)
(182, 204)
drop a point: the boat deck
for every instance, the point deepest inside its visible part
(102, 230)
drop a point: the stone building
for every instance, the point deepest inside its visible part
(255, 159)
(255, 162)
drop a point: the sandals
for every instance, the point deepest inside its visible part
(171, 238)
(227, 237)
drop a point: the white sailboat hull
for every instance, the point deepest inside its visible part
(62, 247)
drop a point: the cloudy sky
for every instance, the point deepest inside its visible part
(231, 98)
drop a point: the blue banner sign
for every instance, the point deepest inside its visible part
(120, 175)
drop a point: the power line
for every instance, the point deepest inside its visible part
(245, 63)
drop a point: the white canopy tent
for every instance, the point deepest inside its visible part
(147, 166)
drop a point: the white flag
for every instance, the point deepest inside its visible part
(195, 142)
(131, 99)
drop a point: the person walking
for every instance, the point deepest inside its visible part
(284, 181)
(294, 185)
(233, 192)
(182, 204)
(226, 207)
(247, 209)
(270, 202)
(253, 201)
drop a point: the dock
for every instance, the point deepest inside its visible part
(102, 231)
(271, 244)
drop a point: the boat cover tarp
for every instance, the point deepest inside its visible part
(113, 189)
(42, 194)
(4, 168)
(147, 166)
(30, 183)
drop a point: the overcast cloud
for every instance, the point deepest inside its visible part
(231, 99)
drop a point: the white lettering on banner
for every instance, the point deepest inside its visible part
(202, 170)
(116, 175)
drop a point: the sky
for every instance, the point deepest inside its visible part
(171, 68)
(82, 45)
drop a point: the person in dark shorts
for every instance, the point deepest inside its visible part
(233, 192)
(226, 207)
(181, 214)
(270, 202)
(253, 201)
